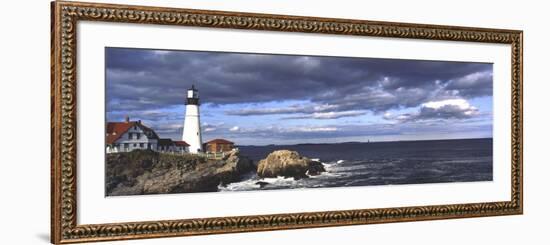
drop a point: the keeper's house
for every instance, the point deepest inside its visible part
(219, 145)
(132, 135)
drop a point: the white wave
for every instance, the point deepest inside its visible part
(339, 169)
(250, 184)
(325, 175)
(328, 167)
(278, 180)
(332, 165)
(330, 171)
(353, 168)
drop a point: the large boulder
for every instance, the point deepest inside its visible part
(288, 164)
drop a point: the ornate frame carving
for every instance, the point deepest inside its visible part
(65, 15)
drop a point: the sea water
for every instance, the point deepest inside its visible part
(380, 163)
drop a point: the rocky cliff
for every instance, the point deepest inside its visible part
(148, 172)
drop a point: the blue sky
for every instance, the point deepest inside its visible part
(260, 99)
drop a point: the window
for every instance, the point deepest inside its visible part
(129, 136)
(126, 145)
(135, 144)
(140, 145)
(138, 136)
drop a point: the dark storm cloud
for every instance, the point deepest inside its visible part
(328, 115)
(474, 84)
(146, 115)
(146, 79)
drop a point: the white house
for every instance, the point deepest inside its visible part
(131, 135)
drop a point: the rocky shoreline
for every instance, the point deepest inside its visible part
(147, 172)
(143, 172)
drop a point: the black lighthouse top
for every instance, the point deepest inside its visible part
(192, 96)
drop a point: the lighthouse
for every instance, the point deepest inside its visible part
(192, 124)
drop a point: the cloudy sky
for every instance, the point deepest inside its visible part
(259, 99)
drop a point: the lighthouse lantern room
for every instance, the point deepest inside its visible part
(191, 126)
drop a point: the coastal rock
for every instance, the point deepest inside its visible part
(262, 184)
(233, 166)
(288, 163)
(315, 168)
(148, 172)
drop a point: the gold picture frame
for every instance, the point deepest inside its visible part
(66, 15)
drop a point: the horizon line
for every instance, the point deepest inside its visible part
(380, 141)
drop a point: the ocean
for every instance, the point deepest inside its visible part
(380, 163)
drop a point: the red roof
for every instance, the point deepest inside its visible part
(219, 141)
(116, 129)
(181, 143)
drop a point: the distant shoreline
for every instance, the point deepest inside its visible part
(366, 142)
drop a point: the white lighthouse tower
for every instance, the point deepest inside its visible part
(192, 124)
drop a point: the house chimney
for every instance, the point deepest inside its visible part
(127, 119)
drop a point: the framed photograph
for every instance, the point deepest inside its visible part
(175, 122)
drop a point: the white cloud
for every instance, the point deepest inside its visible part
(313, 129)
(460, 103)
(161, 52)
(338, 114)
(307, 63)
(324, 107)
(234, 129)
(403, 117)
(209, 129)
(436, 110)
